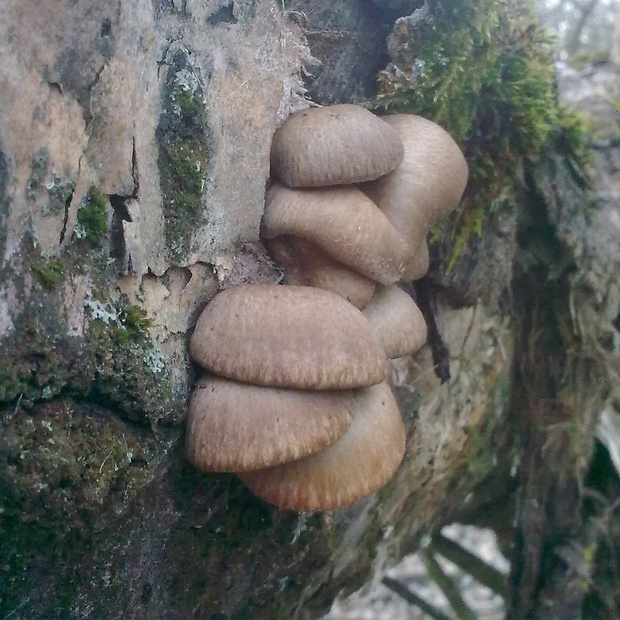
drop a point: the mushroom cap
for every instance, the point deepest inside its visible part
(419, 265)
(397, 320)
(306, 264)
(343, 222)
(355, 466)
(428, 184)
(334, 145)
(236, 426)
(287, 336)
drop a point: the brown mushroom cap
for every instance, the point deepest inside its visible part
(287, 336)
(334, 145)
(236, 426)
(345, 223)
(397, 320)
(428, 184)
(355, 466)
(305, 264)
(418, 266)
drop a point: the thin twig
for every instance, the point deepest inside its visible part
(447, 586)
(411, 597)
(472, 564)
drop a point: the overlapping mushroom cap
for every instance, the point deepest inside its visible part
(344, 222)
(429, 182)
(236, 426)
(287, 336)
(306, 264)
(356, 465)
(419, 264)
(334, 145)
(397, 320)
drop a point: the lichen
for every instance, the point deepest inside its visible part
(183, 156)
(484, 71)
(59, 193)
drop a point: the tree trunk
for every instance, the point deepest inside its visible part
(134, 154)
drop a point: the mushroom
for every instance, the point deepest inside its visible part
(427, 185)
(355, 466)
(344, 223)
(305, 264)
(335, 145)
(236, 426)
(397, 320)
(287, 336)
(418, 266)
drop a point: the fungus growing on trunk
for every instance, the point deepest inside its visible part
(235, 426)
(418, 267)
(287, 336)
(344, 222)
(306, 416)
(355, 466)
(305, 264)
(429, 182)
(334, 145)
(397, 320)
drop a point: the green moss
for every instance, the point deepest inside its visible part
(134, 324)
(38, 171)
(92, 218)
(115, 362)
(49, 269)
(128, 367)
(73, 470)
(183, 156)
(483, 70)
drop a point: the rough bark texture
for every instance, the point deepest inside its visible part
(567, 286)
(134, 153)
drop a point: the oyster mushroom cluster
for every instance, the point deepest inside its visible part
(297, 400)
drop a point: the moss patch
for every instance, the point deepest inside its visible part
(38, 172)
(183, 156)
(67, 471)
(92, 219)
(252, 557)
(48, 269)
(115, 362)
(484, 71)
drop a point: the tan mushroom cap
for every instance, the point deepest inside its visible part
(397, 320)
(419, 265)
(306, 264)
(428, 184)
(287, 336)
(343, 222)
(236, 426)
(356, 465)
(334, 145)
